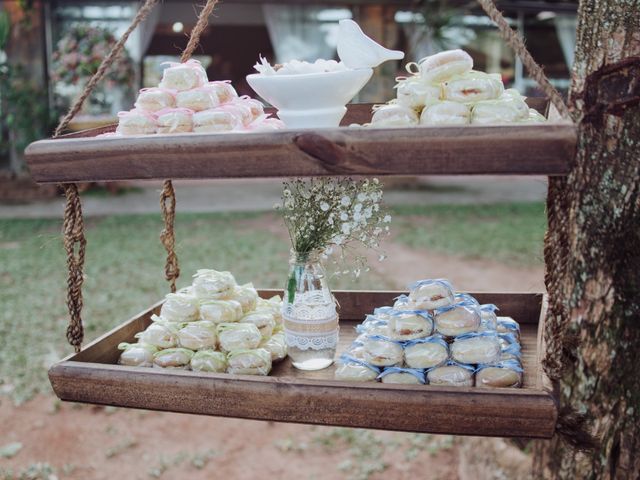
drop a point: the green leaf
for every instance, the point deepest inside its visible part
(10, 450)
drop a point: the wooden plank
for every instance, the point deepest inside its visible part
(540, 149)
(291, 395)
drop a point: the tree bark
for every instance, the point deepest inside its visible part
(592, 255)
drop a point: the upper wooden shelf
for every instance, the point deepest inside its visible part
(528, 149)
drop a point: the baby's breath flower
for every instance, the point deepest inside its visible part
(324, 206)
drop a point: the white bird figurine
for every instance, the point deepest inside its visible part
(357, 51)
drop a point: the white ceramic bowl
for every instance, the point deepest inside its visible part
(311, 100)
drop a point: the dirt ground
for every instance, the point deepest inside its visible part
(86, 442)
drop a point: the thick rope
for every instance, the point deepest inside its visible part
(168, 196)
(516, 42)
(73, 225)
(167, 236)
(114, 54)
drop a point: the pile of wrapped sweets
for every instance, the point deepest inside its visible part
(433, 336)
(443, 89)
(186, 101)
(214, 325)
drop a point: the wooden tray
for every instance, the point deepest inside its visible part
(529, 149)
(290, 395)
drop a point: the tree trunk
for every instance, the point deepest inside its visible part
(592, 255)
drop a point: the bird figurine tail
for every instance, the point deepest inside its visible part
(356, 50)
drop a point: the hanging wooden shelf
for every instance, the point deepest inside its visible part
(290, 395)
(527, 149)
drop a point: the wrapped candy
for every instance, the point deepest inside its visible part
(413, 92)
(240, 110)
(175, 120)
(179, 307)
(249, 362)
(255, 106)
(183, 76)
(136, 354)
(265, 124)
(445, 113)
(518, 102)
(215, 121)
(221, 311)
(453, 374)
(474, 348)
(489, 320)
(426, 352)
(457, 319)
(263, 320)
(472, 87)
(534, 117)
(247, 296)
(403, 302)
(136, 122)
(178, 358)
(353, 369)
(198, 335)
(410, 324)
(225, 92)
(493, 112)
(213, 285)
(443, 65)
(209, 361)
(159, 334)
(381, 351)
(508, 325)
(503, 374)
(373, 326)
(198, 99)
(410, 376)
(431, 294)
(155, 99)
(466, 299)
(238, 336)
(393, 115)
(276, 345)
(273, 305)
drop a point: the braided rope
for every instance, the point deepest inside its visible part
(168, 196)
(73, 236)
(516, 42)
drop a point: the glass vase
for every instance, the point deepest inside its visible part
(309, 314)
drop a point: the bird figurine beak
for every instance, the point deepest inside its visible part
(358, 51)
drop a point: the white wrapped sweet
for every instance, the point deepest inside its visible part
(225, 92)
(373, 325)
(426, 353)
(534, 117)
(505, 374)
(445, 113)
(518, 102)
(160, 334)
(489, 320)
(180, 307)
(393, 115)
(136, 354)
(175, 120)
(209, 361)
(457, 319)
(221, 311)
(276, 345)
(240, 110)
(238, 336)
(155, 99)
(465, 298)
(265, 124)
(353, 369)
(382, 352)
(430, 294)
(508, 325)
(264, 320)
(273, 305)
(136, 122)
(403, 302)
(406, 376)
(198, 99)
(409, 325)
(472, 87)
(183, 76)
(178, 358)
(249, 362)
(494, 112)
(413, 92)
(256, 107)
(453, 374)
(198, 335)
(443, 65)
(474, 348)
(213, 285)
(247, 296)
(215, 121)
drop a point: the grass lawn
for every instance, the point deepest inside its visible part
(124, 268)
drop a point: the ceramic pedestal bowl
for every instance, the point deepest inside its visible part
(311, 100)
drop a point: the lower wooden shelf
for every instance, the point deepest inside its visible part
(290, 395)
